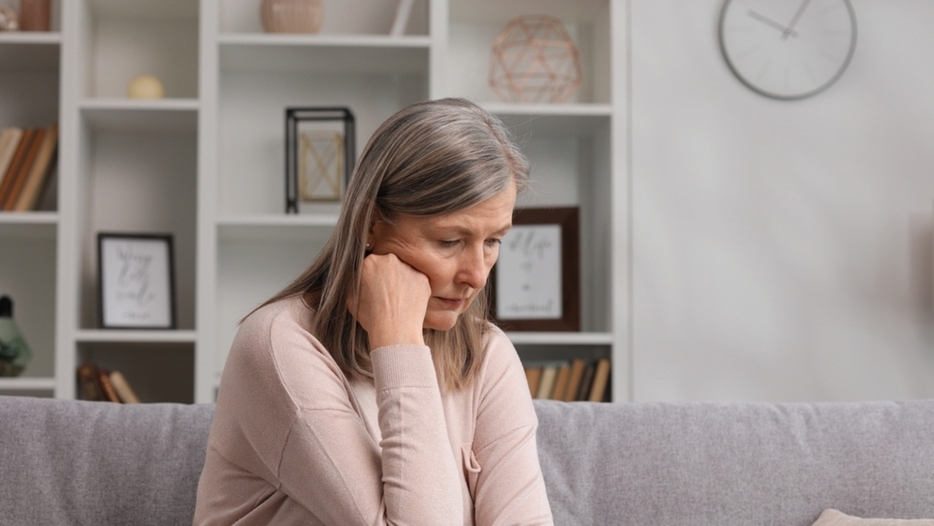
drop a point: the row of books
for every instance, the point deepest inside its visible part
(101, 385)
(26, 160)
(574, 381)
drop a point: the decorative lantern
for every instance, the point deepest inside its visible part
(534, 60)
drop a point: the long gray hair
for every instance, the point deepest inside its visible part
(429, 159)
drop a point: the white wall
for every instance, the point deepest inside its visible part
(782, 251)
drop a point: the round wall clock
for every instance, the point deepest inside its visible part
(787, 49)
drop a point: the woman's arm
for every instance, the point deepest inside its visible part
(508, 488)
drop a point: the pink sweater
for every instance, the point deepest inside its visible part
(294, 442)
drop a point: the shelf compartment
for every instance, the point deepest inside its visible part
(251, 126)
(118, 114)
(324, 53)
(474, 26)
(138, 182)
(126, 38)
(158, 371)
(28, 275)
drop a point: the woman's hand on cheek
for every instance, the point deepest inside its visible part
(392, 303)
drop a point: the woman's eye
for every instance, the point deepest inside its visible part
(494, 242)
(449, 243)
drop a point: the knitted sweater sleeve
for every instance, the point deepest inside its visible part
(331, 466)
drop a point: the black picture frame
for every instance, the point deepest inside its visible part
(327, 117)
(550, 299)
(136, 281)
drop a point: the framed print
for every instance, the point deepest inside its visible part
(536, 280)
(136, 281)
(319, 155)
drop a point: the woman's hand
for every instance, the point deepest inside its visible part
(392, 303)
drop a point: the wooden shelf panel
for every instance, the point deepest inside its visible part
(28, 225)
(280, 227)
(560, 338)
(30, 51)
(21, 383)
(135, 336)
(365, 54)
(116, 114)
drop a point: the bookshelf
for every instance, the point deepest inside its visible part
(206, 164)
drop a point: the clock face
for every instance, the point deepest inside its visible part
(787, 49)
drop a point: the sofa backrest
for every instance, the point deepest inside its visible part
(68, 462)
(96, 463)
(735, 464)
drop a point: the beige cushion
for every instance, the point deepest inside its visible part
(833, 517)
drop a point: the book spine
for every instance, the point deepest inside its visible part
(600, 380)
(19, 178)
(9, 140)
(15, 164)
(39, 171)
(123, 389)
(547, 384)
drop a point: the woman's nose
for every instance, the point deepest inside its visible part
(474, 268)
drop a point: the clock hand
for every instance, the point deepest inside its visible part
(794, 21)
(768, 21)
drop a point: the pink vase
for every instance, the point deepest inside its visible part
(291, 16)
(35, 15)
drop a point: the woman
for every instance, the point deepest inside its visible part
(373, 390)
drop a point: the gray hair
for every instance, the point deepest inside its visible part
(429, 159)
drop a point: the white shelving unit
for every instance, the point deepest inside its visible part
(206, 164)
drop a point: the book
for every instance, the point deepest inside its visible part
(547, 383)
(574, 379)
(583, 390)
(15, 163)
(601, 378)
(561, 383)
(19, 177)
(38, 172)
(9, 140)
(107, 388)
(533, 375)
(123, 389)
(88, 385)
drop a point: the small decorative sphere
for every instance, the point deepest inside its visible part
(534, 60)
(145, 87)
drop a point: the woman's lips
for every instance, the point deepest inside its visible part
(454, 303)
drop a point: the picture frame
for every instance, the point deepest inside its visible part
(535, 284)
(136, 281)
(320, 151)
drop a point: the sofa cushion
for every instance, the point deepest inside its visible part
(832, 517)
(68, 462)
(735, 464)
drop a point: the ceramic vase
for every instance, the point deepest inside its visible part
(291, 16)
(14, 353)
(35, 15)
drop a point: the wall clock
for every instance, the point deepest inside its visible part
(787, 49)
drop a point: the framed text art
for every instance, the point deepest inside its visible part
(536, 281)
(319, 155)
(136, 281)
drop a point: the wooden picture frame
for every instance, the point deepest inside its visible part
(136, 281)
(320, 150)
(535, 284)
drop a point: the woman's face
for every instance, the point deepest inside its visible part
(456, 251)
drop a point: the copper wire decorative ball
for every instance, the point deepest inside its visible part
(534, 60)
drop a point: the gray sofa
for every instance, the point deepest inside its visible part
(69, 462)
